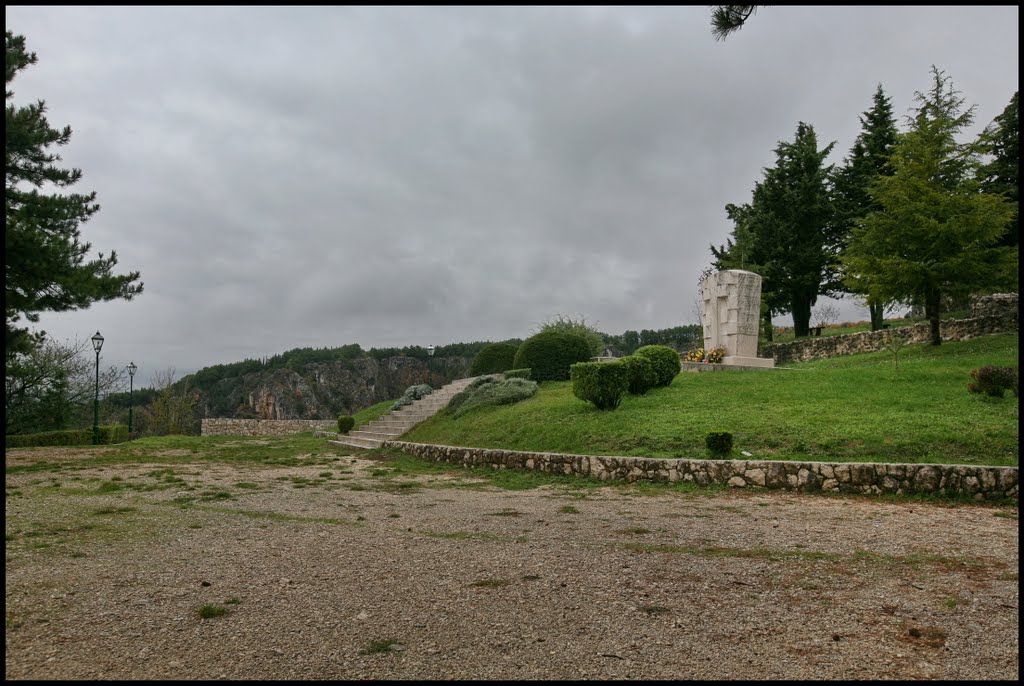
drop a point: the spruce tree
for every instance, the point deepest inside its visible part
(45, 266)
(868, 159)
(1001, 175)
(935, 233)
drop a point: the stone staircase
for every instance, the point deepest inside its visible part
(395, 423)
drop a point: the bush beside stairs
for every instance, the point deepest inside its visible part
(395, 423)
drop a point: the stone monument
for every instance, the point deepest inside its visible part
(732, 313)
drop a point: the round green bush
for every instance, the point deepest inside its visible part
(345, 423)
(601, 383)
(665, 361)
(493, 358)
(641, 373)
(549, 355)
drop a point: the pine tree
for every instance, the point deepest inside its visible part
(45, 267)
(935, 234)
(868, 159)
(727, 19)
(1002, 174)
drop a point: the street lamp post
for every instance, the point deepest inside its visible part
(131, 376)
(430, 356)
(97, 343)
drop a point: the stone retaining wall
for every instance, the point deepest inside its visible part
(978, 482)
(263, 427)
(870, 341)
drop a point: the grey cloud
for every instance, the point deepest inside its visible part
(286, 177)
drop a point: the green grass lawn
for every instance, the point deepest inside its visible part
(367, 415)
(854, 408)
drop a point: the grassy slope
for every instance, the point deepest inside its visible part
(856, 408)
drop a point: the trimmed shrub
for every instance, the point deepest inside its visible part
(116, 433)
(345, 423)
(601, 383)
(412, 394)
(493, 358)
(719, 443)
(517, 374)
(549, 355)
(665, 361)
(641, 373)
(993, 381)
(496, 392)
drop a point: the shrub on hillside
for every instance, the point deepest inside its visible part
(601, 383)
(466, 393)
(517, 374)
(549, 355)
(566, 324)
(493, 358)
(412, 394)
(345, 423)
(641, 373)
(665, 361)
(993, 381)
(719, 443)
(492, 392)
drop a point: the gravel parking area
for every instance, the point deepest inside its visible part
(347, 571)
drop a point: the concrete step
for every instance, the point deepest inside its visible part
(375, 435)
(351, 442)
(388, 424)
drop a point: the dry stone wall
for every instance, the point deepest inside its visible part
(977, 482)
(263, 427)
(871, 341)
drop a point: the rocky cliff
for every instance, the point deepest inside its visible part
(324, 390)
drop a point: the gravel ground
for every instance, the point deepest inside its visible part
(359, 575)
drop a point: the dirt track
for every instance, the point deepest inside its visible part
(104, 580)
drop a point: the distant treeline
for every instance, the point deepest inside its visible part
(681, 338)
(299, 359)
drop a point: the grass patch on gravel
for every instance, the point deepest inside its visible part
(380, 646)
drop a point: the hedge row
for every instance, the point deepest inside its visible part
(116, 433)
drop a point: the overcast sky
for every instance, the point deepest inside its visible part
(291, 177)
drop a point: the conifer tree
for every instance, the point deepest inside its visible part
(45, 266)
(1002, 174)
(935, 233)
(868, 159)
(787, 231)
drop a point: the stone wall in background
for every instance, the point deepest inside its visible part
(977, 482)
(992, 314)
(263, 427)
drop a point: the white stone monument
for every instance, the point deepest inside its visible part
(732, 313)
